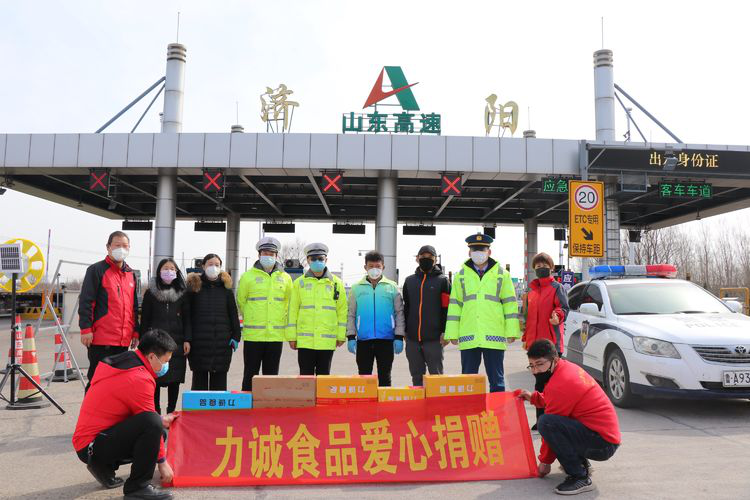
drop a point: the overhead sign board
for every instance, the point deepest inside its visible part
(586, 219)
(692, 162)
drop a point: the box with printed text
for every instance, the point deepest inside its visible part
(216, 400)
(454, 385)
(400, 393)
(339, 389)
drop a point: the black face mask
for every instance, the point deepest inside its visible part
(542, 272)
(543, 378)
(425, 264)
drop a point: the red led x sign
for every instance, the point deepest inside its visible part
(451, 185)
(98, 180)
(213, 181)
(332, 183)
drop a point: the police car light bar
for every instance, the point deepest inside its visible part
(654, 270)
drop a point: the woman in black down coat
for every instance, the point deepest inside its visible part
(166, 307)
(215, 325)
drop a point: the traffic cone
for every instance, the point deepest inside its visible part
(28, 395)
(63, 370)
(18, 341)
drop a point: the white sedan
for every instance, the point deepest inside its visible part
(657, 337)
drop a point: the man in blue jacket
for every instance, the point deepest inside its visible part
(375, 326)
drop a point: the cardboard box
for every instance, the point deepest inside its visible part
(283, 391)
(338, 389)
(216, 400)
(400, 393)
(454, 385)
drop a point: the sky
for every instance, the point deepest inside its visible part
(69, 66)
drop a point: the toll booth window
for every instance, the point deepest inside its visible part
(593, 295)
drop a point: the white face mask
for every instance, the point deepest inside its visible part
(267, 262)
(213, 272)
(479, 258)
(374, 273)
(120, 254)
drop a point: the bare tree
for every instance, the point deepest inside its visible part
(293, 250)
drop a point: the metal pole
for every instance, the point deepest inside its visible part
(13, 326)
(604, 96)
(386, 222)
(645, 112)
(530, 228)
(166, 188)
(133, 103)
(233, 247)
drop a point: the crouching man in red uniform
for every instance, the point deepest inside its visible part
(118, 422)
(579, 421)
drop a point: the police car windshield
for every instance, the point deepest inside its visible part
(662, 297)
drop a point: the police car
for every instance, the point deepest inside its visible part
(642, 333)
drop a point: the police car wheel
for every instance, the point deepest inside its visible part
(617, 380)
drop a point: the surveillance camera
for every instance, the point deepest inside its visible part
(670, 162)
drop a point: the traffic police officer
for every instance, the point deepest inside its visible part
(263, 297)
(317, 314)
(483, 312)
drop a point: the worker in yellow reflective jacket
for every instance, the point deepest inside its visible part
(317, 314)
(483, 312)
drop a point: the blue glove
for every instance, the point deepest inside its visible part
(352, 346)
(234, 344)
(398, 346)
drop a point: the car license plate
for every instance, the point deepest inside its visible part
(737, 379)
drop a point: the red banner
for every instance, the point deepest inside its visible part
(462, 438)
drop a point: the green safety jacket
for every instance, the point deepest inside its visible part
(317, 312)
(263, 299)
(482, 312)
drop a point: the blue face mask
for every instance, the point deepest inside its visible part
(267, 262)
(317, 266)
(164, 369)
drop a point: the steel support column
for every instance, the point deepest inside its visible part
(386, 224)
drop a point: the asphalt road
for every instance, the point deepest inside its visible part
(671, 449)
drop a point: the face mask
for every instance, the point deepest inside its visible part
(543, 378)
(479, 258)
(317, 266)
(542, 272)
(425, 264)
(213, 272)
(164, 369)
(168, 276)
(120, 254)
(374, 273)
(267, 262)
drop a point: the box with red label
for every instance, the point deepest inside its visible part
(400, 393)
(283, 391)
(454, 385)
(340, 389)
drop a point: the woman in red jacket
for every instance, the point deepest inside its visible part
(546, 310)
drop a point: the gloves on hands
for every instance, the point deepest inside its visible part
(352, 346)
(398, 346)
(234, 344)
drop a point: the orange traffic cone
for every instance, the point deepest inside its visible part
(27, 393)
(18, 341)
(63, 370)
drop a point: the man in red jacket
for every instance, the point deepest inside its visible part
(108, 304)
(118, 422)
(579, 422)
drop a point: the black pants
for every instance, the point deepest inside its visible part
(573, 442)
(368, 351)
(539, 387)
(209, 381)
(257, 355)
(424, 356)
(173, 392)
(135, 439)
(314, 362)
(97, 353)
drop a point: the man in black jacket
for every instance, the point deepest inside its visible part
(426, 295)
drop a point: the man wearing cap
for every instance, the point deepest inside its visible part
(483, 312)
(317, 314)
(426, 294)
(263, 297)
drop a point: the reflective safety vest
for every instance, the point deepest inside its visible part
(317, 312)
(482, 312)
(263, 300)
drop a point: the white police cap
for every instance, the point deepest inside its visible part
(314, 249)
(268, 243)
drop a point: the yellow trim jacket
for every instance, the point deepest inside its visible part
(317, 312)
(483, 312)
(263, 299)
